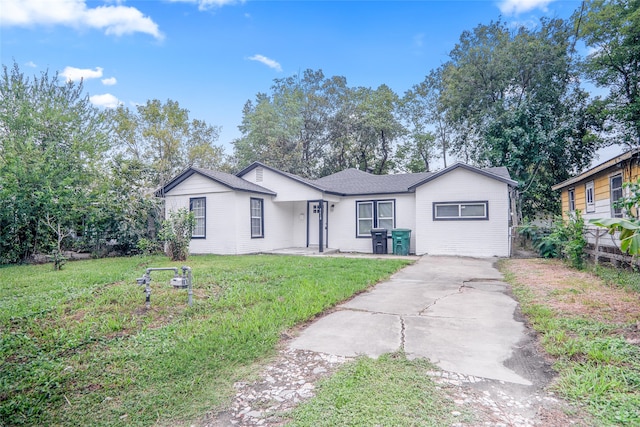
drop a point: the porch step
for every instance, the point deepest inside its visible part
(313, 250)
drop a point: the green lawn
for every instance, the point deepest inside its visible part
(78, 346)
(388, 391)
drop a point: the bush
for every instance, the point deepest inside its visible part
(566, 240)
(176, 233)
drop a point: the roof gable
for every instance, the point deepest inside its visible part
(294, 177)
(228, 180)
(497, 173)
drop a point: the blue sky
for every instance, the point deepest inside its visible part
(213, 55)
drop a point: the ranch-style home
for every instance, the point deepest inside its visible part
(460, 210)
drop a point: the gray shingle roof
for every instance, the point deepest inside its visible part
(356, 182)
(349, 182)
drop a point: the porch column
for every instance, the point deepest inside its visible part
(320, 225)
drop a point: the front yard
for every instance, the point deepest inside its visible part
(78, 346)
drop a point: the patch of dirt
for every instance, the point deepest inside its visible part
(575, 293)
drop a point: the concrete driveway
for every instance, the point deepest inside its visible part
(454, 311)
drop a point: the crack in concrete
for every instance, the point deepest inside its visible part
(364, 310)
(421, 312)
(402, 330)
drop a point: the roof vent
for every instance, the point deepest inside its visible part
(259, 173)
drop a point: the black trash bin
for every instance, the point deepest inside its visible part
(379, 240)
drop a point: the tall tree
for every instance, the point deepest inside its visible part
(163, 138)
(611, 29)
(429, 131)
(515, 101)
(376, 128)
(52, 145)
(288, 129)
(314, 126)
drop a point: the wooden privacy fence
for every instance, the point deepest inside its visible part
(603, 247)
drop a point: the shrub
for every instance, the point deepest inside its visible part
(566, 240)
(176, 233)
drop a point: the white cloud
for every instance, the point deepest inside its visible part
(75, 74)
(110, 81)
(113, 19)
(266, 61)
(209, 4)
(418, 40)
(31, 64)
(515, 7)
(105, 100)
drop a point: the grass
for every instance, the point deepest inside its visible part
(598, 368)
(388, 391)
(78, 346)
(627, 279)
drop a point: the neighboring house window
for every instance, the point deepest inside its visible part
(589, 196)
(374, 214)
(199, 208)
(257, 218)
(446, 211)
(616, 194)
(572, 199)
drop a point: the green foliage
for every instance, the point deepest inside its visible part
(314, 126)
(163, 138)
(176, 232)
(52, 146)
(565, 240)
(77, 347)
(628, 229)
(429, 129)
(626, 279)
(58, 259)
(389, 391)
(513, 99)
(611, 29)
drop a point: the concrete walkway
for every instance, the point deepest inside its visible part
(453, 311)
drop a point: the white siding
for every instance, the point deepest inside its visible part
(228, 224)
(287, 189)
(197, 184)
(603, 210)
(277, 225)
(221, 221)
(342, 222)
(481, 238)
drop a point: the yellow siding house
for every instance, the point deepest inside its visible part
(594, 192)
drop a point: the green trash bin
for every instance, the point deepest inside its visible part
(401, 238)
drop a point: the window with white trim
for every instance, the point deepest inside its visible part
(257, 218)
(616, 194)
(571, 194)
(446, 211)
(374, 214)
(199, 208)
(589, 193)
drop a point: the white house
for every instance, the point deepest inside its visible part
(460, 210)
